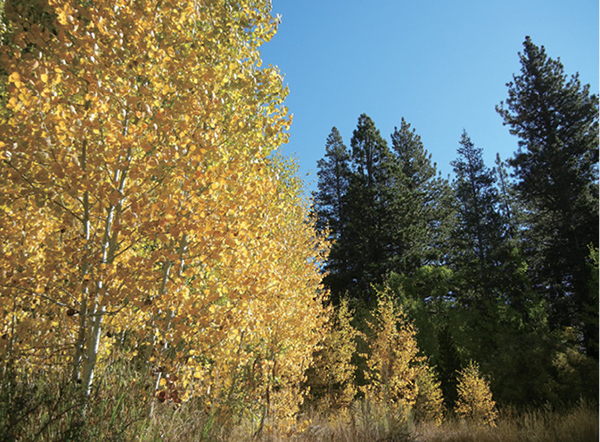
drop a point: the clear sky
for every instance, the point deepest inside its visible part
(442, 65)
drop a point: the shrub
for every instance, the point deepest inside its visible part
(475, 401)
(332, 379)
(430, 401)
(393, 364)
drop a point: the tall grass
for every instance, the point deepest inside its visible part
(52, 409)
(576, 424)
(367, 423)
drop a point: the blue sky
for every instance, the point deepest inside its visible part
(441, 65)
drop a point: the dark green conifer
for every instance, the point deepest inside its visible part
(367, 250)
(330, 208)
(556, 167)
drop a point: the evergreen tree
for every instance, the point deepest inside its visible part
(499, 308)
(513, 276)
(330, 208)
(366, 248)
(509, 204)
(421, 208)
(332, 184)
(386, 210)
(556, 120)
(478, 232)
(449, 365)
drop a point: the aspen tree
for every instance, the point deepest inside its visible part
(333, 379)
(393, 361)
(475, 401)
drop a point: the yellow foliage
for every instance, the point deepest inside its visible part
(143, 214)
(474, 401)
(576, 373)
(332, 380)
(429, 406)
(393, 363)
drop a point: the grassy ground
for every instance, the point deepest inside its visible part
(579, 424)
(52, 412)
(365, 424)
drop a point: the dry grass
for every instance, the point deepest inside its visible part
(579, 424)
(366, 423)
(119, 412)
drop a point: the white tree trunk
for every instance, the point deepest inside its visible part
(92, 350)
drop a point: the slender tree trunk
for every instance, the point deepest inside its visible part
(80, 343)
(92, 313)
(170, 314)
(163, 288)
(83, 307)
(92, 350)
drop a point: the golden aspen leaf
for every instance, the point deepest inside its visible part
(162, 382)
(62, 17)
(14, 77)
(44, 78)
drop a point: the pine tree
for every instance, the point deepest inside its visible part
(330, 208)
(333, 174)
(510, 208)
(556, 120)
(499, 307)
(478, 231)
(420, 199)
(366, 248)
(449, 365)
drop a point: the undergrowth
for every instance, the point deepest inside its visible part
(119, 409)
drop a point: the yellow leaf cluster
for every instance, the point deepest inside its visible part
(332, 379)
(475, 401)
(393, 362)
(429, 405)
